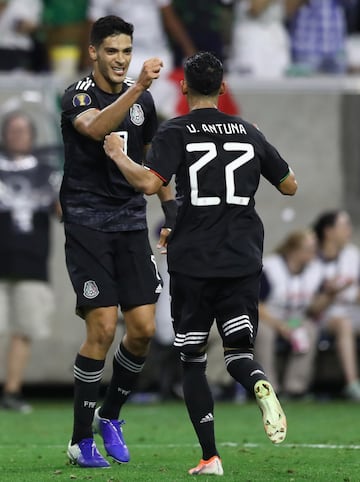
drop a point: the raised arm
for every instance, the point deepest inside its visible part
(96, 124)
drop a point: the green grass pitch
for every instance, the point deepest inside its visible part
(323, 444)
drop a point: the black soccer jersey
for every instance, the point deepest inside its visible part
(94, 193)
(218, 160)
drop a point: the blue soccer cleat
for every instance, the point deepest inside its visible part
(112, 435)
(85, 454)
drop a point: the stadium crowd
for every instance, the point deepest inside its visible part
(264, 38)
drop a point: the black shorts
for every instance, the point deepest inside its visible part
(197, 302)
(110, 269)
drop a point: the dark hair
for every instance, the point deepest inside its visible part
(107, 26)
(325, 220)
(204, 73)
(14, 115)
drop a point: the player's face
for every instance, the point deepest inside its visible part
(112, 59)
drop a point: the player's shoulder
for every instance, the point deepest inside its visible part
(173, 124)
(81, 85)
(250, 128)
(79, 93)
(145, 97)
(128, 82)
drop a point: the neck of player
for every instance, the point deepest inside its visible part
(202, 103)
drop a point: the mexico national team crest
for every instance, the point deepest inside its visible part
(90, 289)
(137, 115)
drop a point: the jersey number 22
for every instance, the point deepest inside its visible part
(247, 153)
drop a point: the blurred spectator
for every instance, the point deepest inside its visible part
(18, 23)
(290, 280)
(352, 14)
(353, 38)
(341, 264)
(203, 22)
(28, 197)
(207, 26)
(260, 44)
(65, 31)
(318, 32)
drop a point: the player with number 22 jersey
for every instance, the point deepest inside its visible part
(218, 232)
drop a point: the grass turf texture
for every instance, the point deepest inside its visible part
(322, 444)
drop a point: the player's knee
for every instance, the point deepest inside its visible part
(141, 335)
(101, 329)
(105, 335)
(147, 331)
(233, 356)
(194, 360)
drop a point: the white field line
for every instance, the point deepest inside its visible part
(176, 446)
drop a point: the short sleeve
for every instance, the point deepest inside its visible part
(273, 167)
(75, 102)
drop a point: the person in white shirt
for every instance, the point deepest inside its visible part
(260, 43)
(290, 280)
(17, 23)
(341, 263)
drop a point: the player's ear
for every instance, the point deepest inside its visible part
(184, 87)
(222, 88)
(92, 52)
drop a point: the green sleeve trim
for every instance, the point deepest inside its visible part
(283, 179)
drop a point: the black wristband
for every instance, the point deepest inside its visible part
(170, 211)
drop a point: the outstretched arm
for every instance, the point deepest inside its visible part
(138, 176)
(146, 181)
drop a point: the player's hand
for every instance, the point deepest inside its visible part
(149, 72)
(113, 145)
(163, 240)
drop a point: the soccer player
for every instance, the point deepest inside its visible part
(215, 251)
(108, 254)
